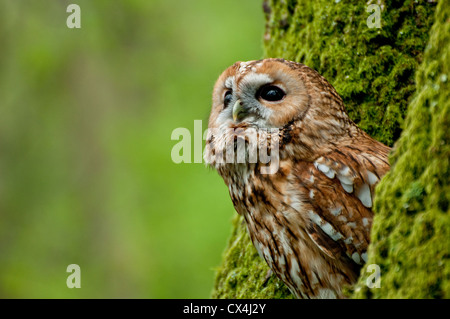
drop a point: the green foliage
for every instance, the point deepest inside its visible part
(411, 232)
(86, 118)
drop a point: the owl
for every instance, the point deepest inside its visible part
(299, 171)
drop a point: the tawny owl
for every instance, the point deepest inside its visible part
(299, 171)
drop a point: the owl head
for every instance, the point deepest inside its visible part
(278, 94)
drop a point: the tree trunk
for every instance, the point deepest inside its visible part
(394, 83)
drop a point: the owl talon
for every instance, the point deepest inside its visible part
(268, 275)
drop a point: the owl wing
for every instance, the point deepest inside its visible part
(338, 191)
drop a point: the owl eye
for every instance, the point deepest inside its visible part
(270, 93)
(227, 98)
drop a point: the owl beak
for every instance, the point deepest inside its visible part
(239, 111)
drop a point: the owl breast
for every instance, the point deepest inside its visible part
(276, 218)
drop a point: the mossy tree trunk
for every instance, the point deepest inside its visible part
(384, 75)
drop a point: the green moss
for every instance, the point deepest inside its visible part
(374, 72)
(372, 69)
(242, 264)
(411, 231)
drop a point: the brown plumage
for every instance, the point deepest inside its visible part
(309, 215)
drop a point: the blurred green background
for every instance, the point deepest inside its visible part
(86, 117)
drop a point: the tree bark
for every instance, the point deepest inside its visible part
(394, 83)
